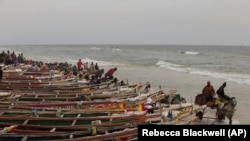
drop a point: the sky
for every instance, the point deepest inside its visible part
(202, 22)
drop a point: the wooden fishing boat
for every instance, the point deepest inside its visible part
(80, 106)
(20, 84)
(126, 135)
(74, 121)
(19, 134)
(4, 95)
(71, 97)
(58, 109)
(51, 114)
(67, 128)
(117, 103)
(11, 73)
(23, 116)
(24, 74)
(53, 87)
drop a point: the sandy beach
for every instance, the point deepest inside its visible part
(167, 66)
(187, 85)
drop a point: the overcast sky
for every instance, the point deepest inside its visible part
(212, 22)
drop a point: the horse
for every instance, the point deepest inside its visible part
(226, 110)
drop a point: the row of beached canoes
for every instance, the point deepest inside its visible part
(32, 109)
(70, 109)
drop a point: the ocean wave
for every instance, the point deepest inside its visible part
(99, 62)
(116, 50)
(95, 48)
(237, 78)
(233, 77)
(170, 66)
(3, 49)
(190, 52)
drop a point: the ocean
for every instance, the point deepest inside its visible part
(185, 68)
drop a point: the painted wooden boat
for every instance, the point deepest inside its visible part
(124, 134)
(53, 130)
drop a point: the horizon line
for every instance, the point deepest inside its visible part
(123, 44)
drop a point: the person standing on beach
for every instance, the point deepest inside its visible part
(96, 66)
(1, 73)
(92, 66)
(208, 91)
(74, 70)
(79, 64)
(149, 104)
(110, 72)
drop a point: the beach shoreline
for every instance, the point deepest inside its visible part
(171, 67)
(186, 84)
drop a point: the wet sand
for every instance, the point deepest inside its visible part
(187, 85)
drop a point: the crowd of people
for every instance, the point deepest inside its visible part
(81, 70)
(8, 58)
(92, 73)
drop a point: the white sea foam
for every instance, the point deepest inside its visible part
(96, 48)
(190, 52)
(116, 50)
(99, 62)
(233, 77)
